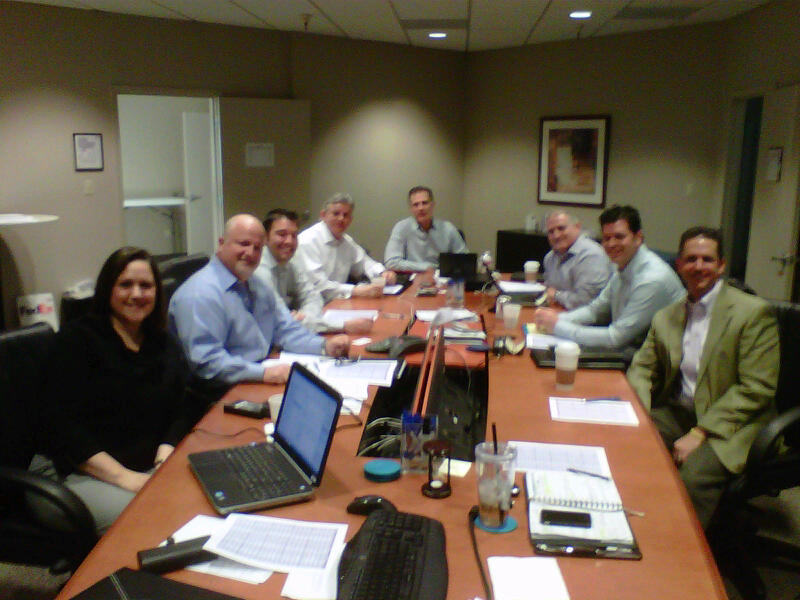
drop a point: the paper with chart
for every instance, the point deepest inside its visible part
(277, 544)
(560, 457)
(593, 410)
(202, 525)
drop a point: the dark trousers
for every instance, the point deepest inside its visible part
(702, 473)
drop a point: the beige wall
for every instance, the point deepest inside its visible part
(60, 68)
(663, 94)
(383, 119)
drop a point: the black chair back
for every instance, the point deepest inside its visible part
(180, 268)
(23, 356)
(787, 395)
(27, 535)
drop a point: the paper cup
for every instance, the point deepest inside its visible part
(531, 268)
(275, 406)
(567, 354)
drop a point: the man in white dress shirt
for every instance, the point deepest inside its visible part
(331, 257)
(286, 275)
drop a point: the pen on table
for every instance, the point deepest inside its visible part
(589, 473)
(602, 399)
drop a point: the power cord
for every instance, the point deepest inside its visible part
(473, 514)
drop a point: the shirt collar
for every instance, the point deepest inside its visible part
(633, 265)
(226, 279)
(708, 299)
(419, 227)
(267, 259)
(329, 238)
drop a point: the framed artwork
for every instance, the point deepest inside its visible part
(88, 151)
(573, 160)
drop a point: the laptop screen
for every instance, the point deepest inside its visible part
(307, 420)
(458, 265)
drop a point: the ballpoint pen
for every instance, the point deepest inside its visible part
(589, 473)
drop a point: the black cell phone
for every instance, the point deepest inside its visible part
(567, 518)
(256, 410)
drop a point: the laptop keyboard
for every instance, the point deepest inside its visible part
(261, 471)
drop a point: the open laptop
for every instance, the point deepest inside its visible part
(282, 471)
(464, 266)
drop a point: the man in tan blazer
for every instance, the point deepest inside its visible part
(707, 372)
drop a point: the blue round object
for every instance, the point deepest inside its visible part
(509, 525)
(381, 470)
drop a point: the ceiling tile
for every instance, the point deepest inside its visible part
(431, 9)
(287, 15)
(364, 19)
(213, 11)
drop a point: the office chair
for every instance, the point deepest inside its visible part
(24, 537)
(180, 268)
(767, 472)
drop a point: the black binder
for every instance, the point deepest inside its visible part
(136, 585)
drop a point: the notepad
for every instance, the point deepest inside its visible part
(593, 410)
(594, 492)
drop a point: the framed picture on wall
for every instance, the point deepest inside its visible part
(88, 151)
(573, 160)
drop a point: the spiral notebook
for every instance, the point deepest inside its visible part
(610, 534)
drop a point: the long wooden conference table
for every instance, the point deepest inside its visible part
(676, 563)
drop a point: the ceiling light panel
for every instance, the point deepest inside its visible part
(456, 39)
(556, 23)
(492, 28)
(364, 19)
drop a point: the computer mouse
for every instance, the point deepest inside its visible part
(364, 505)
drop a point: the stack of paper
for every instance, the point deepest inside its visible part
(251, 547)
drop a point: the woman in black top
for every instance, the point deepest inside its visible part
(116, 385)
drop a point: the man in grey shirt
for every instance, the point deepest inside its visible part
(577, 268)
(643, 284)
(417, 241)
(285, 274)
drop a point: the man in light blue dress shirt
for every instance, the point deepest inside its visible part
(643, 284)
(416, 242)
(577, 268)
(228, 321)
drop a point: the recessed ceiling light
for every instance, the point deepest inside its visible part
(580, 14)
(437, 35)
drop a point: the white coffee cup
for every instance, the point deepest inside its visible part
(275, 402)
(567, 354)
(381, 281)
(510, 315)
(531, 268)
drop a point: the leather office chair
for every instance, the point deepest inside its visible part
(180, 268)
(767, 471)
(25, 538)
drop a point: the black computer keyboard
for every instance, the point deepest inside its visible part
(394, 556)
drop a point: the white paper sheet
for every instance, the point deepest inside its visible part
(277, 544)
(560, 457)
(511, 287)
(336, 317)
(314, 585)
(203, 525)
(582, 410)
(526, 578)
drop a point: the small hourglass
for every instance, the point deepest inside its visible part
(438, 484)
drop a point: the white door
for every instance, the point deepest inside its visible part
(199, 186)
(774, 222)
